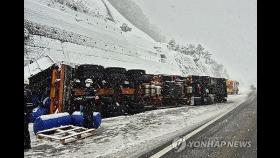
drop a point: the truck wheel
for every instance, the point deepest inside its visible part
(134, 74)
(118, 70)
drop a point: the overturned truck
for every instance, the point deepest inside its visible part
(64, 85)
(121, 91)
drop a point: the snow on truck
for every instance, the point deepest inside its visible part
(122, 91)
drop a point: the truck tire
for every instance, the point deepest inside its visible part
(95, 72)
(118, 70)
(84, 67)
(135, 73)
(144, 78)
(115, 77)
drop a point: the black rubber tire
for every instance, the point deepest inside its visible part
(144, 78)
(115, 78)
(134, 73)
(112, 70)
(90, 67)
(95, 72)
(166, 78)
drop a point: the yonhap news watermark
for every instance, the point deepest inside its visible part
(180, 144)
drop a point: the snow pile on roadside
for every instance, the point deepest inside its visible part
(131, 136)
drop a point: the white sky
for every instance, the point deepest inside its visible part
(227, 28)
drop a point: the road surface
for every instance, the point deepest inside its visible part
(234, 135)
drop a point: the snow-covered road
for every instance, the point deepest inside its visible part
(131, 136)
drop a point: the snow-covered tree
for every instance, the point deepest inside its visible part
(199, 51)
(191, 49)
(177, 48)
(207, 57)
(125, 28)
(184, 50)
(171, 44)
